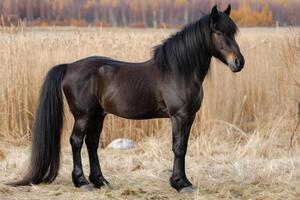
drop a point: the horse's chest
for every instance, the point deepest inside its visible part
(186, 99)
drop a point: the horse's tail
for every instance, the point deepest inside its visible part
(45, 153)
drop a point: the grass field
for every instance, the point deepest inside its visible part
(240, 145)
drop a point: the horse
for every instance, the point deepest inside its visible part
(169, 85)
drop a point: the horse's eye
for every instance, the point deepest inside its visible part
(219, 33)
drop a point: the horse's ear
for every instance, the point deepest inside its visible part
(228, 10)
(214, 14)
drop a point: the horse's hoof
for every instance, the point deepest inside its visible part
(187, 190)
(88, 187)
(108, 185)
(100, 182)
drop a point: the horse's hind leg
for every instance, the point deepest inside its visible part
(76, 140)
(92, 143)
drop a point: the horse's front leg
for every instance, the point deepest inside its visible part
(181, 126)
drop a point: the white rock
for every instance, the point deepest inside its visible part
(121, 144)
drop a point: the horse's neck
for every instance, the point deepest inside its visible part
(204, 60)
(202, 70)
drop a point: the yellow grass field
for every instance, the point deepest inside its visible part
(240, 146)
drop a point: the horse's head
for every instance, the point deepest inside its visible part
(222, 43)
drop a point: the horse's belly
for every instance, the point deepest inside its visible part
(136, 111)
(139, 115)
(135, 106)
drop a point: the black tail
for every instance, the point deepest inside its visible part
(45, 153)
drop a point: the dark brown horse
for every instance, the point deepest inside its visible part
(167, 86)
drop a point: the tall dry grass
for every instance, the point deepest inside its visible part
(262, 97)
(240, 145)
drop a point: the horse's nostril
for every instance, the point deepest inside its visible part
(237, 62)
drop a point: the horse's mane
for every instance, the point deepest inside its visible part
(188, 49)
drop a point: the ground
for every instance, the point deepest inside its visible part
(143, 173)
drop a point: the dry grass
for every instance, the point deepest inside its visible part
(240, 143)
(2, 156)
(218, 169)
(248, 99)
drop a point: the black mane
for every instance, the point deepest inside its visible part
(188, 49)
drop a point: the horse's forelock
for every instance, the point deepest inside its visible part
(226, 24)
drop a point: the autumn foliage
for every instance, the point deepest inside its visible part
(144, 13)
(245, 16)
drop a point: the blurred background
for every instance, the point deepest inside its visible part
(144, 13)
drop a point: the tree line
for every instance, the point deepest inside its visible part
(144, 13)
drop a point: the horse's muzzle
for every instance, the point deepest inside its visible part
(237, 64)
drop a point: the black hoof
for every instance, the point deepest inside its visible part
(181, 184)
(100, 182)
(79, 181)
